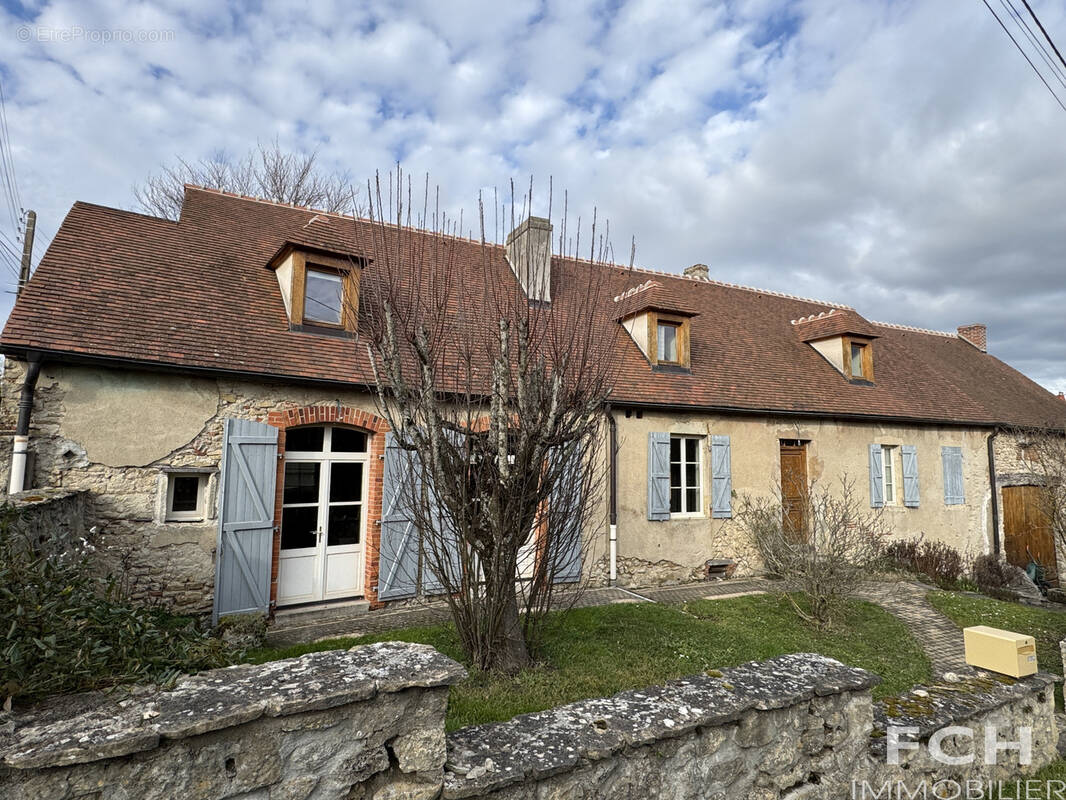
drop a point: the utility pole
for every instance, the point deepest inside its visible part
(27, 250)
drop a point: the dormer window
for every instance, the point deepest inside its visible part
(323, 296)
(320, 289)
(859, 360)
(667, 341)
(842, 338)
(858, 355)
(659, 323)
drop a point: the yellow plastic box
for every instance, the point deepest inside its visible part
(1009, 653)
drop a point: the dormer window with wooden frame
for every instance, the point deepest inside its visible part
(668, 335)
(660, 326)
(844, 339)
(860, 359)
(320, 289)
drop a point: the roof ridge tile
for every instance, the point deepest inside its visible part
(899, 327)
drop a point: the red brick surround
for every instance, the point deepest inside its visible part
(340, 415)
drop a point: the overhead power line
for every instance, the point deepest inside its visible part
(7, 166)
(1025, 55)
(1034, 40)
(1040, 25)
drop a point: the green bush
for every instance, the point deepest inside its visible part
(936, 560)
(63, 629)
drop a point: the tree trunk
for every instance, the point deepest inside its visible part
(513, 655)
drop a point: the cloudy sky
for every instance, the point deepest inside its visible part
(900, 157)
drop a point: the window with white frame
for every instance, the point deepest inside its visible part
(686, 488)
(186, 496)
(888, 472)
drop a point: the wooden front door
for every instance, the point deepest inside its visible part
(1027, 530)
(794, 488)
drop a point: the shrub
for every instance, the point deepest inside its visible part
(821, 565)
(989, 572)
(64, 629)
(936, 560)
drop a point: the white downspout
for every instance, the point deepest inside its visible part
(18, 464)
(614, 553)
(21, 444)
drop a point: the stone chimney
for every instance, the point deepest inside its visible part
(699, 271)
(977, 335)
(529, 252)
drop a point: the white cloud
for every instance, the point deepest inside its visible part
(898, 156)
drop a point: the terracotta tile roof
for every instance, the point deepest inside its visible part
(835, 322)
(652, 295)
(197, 295)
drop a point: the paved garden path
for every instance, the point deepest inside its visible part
(938, 635)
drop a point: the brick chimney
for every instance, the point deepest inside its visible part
(698, 271)
(529, 252)
(1062, 395)
(976, 334)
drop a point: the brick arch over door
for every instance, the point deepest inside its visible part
(335, 414)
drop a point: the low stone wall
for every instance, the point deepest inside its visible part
(798, 726)
(53, 519)
(764, 730)
(366, 723)
(979, 705)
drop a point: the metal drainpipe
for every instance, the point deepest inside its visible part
(995, 492)
(612, 498)
(22, 430)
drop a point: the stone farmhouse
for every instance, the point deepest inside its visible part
(200, 381)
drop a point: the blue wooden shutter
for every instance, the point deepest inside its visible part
(658, 476)
(721, 478)
(910, 475)
(399, 545)
(246, 517)
(431, 582)
(877, 477)
(954, 491)
(568, 563)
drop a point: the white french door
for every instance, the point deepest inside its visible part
(323, 519)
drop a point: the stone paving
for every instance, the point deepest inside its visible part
(938, 635)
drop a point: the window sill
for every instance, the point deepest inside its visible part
(324, 330)
(176, 520)
(676, 369)
(687, 515)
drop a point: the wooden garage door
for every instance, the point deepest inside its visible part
(1026, 526)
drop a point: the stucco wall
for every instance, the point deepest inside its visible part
(118, 433)
(672, 550)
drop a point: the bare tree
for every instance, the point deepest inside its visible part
(266, 171)
(819, 555)
(498, 402)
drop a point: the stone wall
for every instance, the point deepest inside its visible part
(117, 434)
(798, 726)
(977, 702)
(368, 724)
(55, 520)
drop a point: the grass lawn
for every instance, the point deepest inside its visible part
(1047, 627)
(593, 652)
